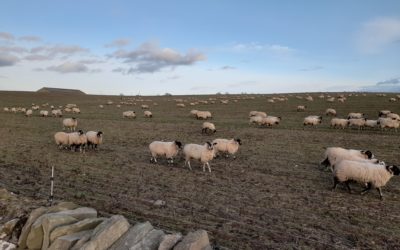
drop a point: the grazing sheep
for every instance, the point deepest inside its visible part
(392, 99)
(330, 112)
(256, 119)
(309, 98)
(77, 140)
(203, 153)
(375, 175)
(226, 146)
(312, 120)
(340, 123)
(355, 115)
(70, 123)
(76, 110)
(101, 106)
(384, 113)
(144, 106)
(359, 122)
(6, 109)
(330, 99)
(56, 113)
(388, 123)
(371, 123)
(167, 149)
(203, 115)
(180, 105)
(44, 113)
(68, 110)
(257, 113)
(129, 114)
(14, 110)
(335, 154)
(94, 138)
(148, 114)
(61, 139)
(193, 112)
(208, 128)
(28, 113)
(301, 108)
(270, 121)
(35, 107)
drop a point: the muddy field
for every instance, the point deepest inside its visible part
(272, 196)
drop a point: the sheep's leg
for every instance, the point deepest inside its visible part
(348, 186)
(204, 167)
(188, 162)
(209, 168)
(335, 182)
(380, 193)
(365, 190)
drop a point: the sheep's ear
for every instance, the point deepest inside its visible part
(214, 143)
(369, 154)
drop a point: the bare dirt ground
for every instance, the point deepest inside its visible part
(272, 196)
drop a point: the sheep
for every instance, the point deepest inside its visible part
(35, 107)
(193, 112)
(203, 115)
(77, 140)
(208, 128)
(371, 123)
(226, 146)
(167, 149)
(375, 175)
(203, 153)
(335, 154)
(384, 113)
(71, 105)
(394, 116)
(330, 99)
(94, 138)
(28, 113)
(56, 113)
(359, 122)
(257, 113)
(340, 123)
(309, 98)
(68, 110)
(129, 114)
(6, 109)
(70, 123)
(101, 106)
(44, 113)
(392, 99)
(355, 115)
(301, 108)
(312, 120)
(388, 123)
(330, 112)
(14, 110)
(61, 139)
(256, 119)
(148, 114)
(144, 106)
(76, 110)
(180, 105)
(270, 121)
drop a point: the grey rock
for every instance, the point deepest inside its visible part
(197, 240)
(67, 241)
(133, 236)
(168, 241)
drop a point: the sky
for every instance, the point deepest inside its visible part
(200, 47)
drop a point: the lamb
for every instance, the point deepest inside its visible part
(28, 113)
(332, 155)
(256, 119)
(375, 175)
(129, 114)
(203, 115)
(70, 123)
(359, 122)
(44, 113)
(330, 112)
(312, 120)
(77, 140)
(94, 138)
(226, 146)
(257, 113)
(270, 121)
(203, 153)
(301, 108)
(148, 114)
(340, 123)
(208, 128)
(388, 123)
(167, 149)
(61, 139)
(355, 115)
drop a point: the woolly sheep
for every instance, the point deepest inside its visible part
(203, 153)
(129, 114)
(384, 113)
(335, 154)
(193, 112)
(29, 112)
(71, 105)
(301, 108)
(203, 115)
(180, 105)
(167, 149)
(309, 98)
(256, 119)
(270, 121)
(35, 107)
(340, 123)
(77, 140)
(330, 111)
(68, 110)
(44, 113)
(359, 122)
(144, 106)
(375, 175)
(312, 120)
(56, 113)
(70, 123)
(76, 110)
(61, 139)
(208, 128)
(257, 113)
(330, 99)
(94, 138)
(6, 109)
(371, 123)
(101, 106)
(226, 146)
(392, 99)
(394, 116)
(355, 115)
(148, 114)
(388, 123)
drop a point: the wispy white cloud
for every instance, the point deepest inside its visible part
(8, 60)
(377, 34)
(118, 43)
(227, 67)
(255, 46)
(392, 81)
(169, 78)
(6, 36)
(69, 67)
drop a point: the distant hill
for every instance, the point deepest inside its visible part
(60, 91)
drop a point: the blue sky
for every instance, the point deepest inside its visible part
(188, 47)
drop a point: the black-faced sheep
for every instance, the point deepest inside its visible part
(203, 153)
(335, 154)
(70, 123)
(208, 128)
(167, 149)
(226, 146)
(94, 138)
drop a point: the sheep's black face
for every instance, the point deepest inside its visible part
(99, 134)
(80, 132)
(179, 144)
(73, 118)
(238, 141)
(369, 154)
(395, 170)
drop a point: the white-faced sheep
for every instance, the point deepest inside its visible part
(203, 153)
(330, 112)
(312, 120)
(94, 138)
(270, 121)
(203, 115)
(29, 112)
(339, 123)
(375, 175)
(129, 114)
(355, 115)
(44, 113)
(148, 114)
(226, 146)
(208, 128)
(301, 108)
(359, 122)
(77, 140)
(335, 154)
(388, 123)
(70, 123)
(167, 149)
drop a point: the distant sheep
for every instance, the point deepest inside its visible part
(167, 149)
(6, 109)
(44, 113)
(301, 108)
(76, 110)
(270, 121)
(203, 153)
(180, 105)
(56, 113)
(204, 115)
(29, 112)
(384, 113)
(144, 106)
(257, 113)
(359, 122)
(61, 139)
(371, 123)
(355, 115)
(335, 154)
(193, 112)
(101, 106)
(256, 120)
(339, 123)
(309, 98)
(388, 123)
(208, 128)
(312, 120)
(375, 175)
(94, 138)
(129, 114)
(148, 114)
(226, 146)
(330, 112)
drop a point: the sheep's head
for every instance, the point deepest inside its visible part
(367, 153)
(73, 118)
(178, 143)
(99, 134)
(80, 132)
(238, 141)
(393, 169)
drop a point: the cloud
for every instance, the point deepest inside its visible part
(6, 36)
(118, 43)
(120, 70)
(12, 49)
(389, 82)
(37, 58)
(378, 34)
(69, 67)
(150, 58)
(30, 38)
(168, 78)
(227, 67)
(64, 50)
(315, 68)
(8, 60)
(255, 46)
(390, 85)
